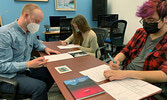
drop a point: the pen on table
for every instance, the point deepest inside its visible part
(111, 58)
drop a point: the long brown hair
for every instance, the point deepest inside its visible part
(83, 26)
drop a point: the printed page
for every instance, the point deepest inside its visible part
(63, 69)
(58, 57)
(75, 51)
(78, 53)
(96, 73)
(129, 89)
(69, 46)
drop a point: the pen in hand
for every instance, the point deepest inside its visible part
(111, 58)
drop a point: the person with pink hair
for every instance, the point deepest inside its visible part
(145, 55)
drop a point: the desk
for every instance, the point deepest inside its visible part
(51, 33)
(76, 65)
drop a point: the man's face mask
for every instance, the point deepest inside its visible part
(33, 27)
(151, 27)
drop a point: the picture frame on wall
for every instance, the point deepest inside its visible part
(33, 0)
(65, 5)
(0, 21)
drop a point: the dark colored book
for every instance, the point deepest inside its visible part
(78, 53)
(83, 87)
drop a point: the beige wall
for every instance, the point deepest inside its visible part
(126, 10)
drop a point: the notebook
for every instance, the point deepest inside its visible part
(78, 53)
(83, 87)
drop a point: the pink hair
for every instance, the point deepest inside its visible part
(147, 9)
(161, 9)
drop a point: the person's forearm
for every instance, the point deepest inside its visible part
(120, 57)
(69, 39)
(91, 50)
(149, 76)
(12, 67)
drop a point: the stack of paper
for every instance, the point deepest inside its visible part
(58, 57)
(69, 46)
(130, 89)
(126, 89)
(96, 73)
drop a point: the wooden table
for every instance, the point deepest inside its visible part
(50, 34)
(76, 65)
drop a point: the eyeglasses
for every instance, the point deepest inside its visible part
(150, 21)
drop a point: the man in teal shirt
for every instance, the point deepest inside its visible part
(17, 40)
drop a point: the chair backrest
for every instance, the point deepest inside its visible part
(65, 28)
(101, 34)
(117, 32)
(14, 95)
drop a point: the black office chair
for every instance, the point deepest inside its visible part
(160, 97)
(14, 95)
(163, 94)
(117, 31)
(101, 34)
(65, 28)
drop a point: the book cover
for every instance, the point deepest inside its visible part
(78, 53)
(83, 87)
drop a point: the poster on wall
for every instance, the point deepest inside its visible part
(0, 21)
(32, 0)
(66, 5)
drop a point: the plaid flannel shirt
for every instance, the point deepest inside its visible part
(157, 58)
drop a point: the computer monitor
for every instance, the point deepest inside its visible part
(105, 21)
(55, 22)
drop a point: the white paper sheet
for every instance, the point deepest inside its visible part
(58, 57)
(129, 89)
(69, 46)
(96, 73)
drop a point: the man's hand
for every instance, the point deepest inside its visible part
(49, 51)
(36, 63)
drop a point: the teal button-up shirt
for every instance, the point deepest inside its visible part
(15, 49)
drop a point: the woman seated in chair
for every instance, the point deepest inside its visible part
(82, 35)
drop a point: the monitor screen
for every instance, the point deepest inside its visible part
(54, 20)
(106, 20)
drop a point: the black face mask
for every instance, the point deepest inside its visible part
(151, 27)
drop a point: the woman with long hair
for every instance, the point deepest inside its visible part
(82, 35)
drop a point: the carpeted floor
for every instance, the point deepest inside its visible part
(55, 94)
